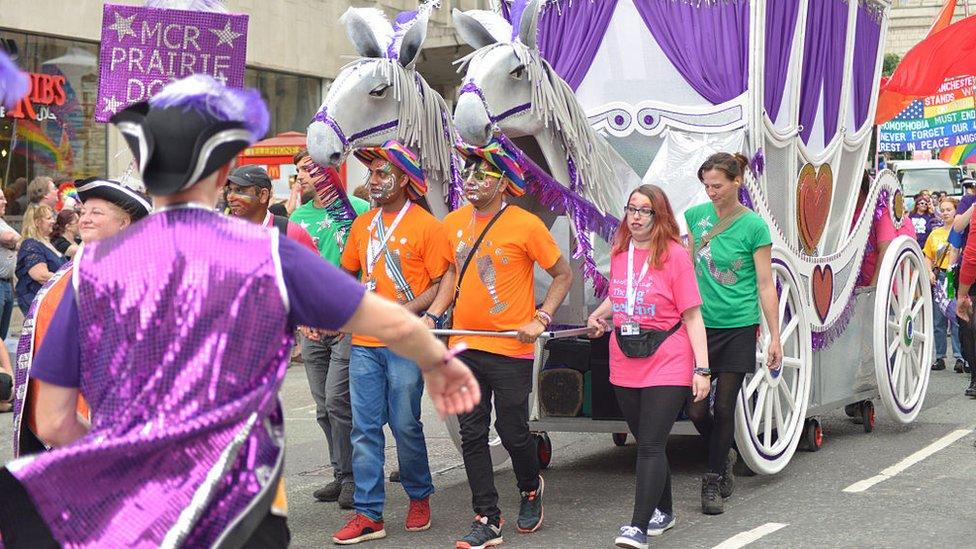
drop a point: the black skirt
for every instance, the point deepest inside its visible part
(732, 349)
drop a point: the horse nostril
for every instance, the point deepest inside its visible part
(334, 158)
(487, 133)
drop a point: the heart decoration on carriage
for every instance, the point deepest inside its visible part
(813, 194)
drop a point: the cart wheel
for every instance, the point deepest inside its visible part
(543, 448)
(867, 416)
(498, 453)
(620, 439)
(812, 435)
(773, 403)
(903, 336)
(852, 410)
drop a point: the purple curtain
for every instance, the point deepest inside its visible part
(867, 39)
(780, 28)
(569, 34)
(707, 43)
(823, 64)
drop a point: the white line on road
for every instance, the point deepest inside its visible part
(918, 456)
(745, 538)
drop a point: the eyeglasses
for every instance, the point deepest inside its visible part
(478, 175)
(645, 212)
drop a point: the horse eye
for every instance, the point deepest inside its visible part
(379, 91)
(518, 71)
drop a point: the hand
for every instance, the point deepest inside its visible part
(453, 388)
(774, 356)
(964, 307)
(429, 322)
(530, 332)
(294, 199)
(598, 326)
(931, 278)
(700, 386)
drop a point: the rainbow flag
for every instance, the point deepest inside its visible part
(960, 154)
(42, 148)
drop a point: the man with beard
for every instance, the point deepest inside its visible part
(400, 250)
(248, 191)
(494, 247)
(327, 218)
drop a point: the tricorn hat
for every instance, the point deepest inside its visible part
(133, 202)
(189, 130)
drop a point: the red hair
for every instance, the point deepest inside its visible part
(664, 228)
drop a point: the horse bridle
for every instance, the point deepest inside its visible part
(323, 117)
(471, 87)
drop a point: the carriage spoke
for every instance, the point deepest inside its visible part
(792, 362)
(784, 298)
(760, 403)
(788, 331)
(896, 369)
(892, 347)
(780, 419)
(753, 385)
(768, 422)
(787, 397)
(918, 306)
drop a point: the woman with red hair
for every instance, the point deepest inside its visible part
(658, 338)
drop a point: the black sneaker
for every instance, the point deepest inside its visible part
(727, 485)
(483, 534)
(939, 364)
(329, 492)
(530, 510)
(711, 499)
(345, 495)
(971, 391)
(960, 366)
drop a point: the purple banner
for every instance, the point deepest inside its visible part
(143, 49)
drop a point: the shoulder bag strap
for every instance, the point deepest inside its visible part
(474, 250)
(717, 229)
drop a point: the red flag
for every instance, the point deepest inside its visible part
(891, 102)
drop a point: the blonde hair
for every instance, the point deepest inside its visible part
(35, 213)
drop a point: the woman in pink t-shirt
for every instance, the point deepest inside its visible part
(652, 288)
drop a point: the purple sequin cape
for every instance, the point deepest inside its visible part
(184, 345)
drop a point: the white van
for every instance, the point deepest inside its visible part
(930, 175)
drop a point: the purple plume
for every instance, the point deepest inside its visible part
(515, 16)
(216, 6)
(758, 163)
(208, 96)
(14, 83)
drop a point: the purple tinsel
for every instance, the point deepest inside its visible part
(745, 198)
(584, 215)
(215, 6)
(205, 95)
(330, 192)
(758, 163)
(14, 83)
(824, 339)
(881, 205)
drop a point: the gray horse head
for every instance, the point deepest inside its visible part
(381, 97)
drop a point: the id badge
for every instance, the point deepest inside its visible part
(630, 328)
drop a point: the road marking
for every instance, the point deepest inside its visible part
(745, 538)
(918, 456)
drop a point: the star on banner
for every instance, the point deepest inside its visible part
(123, 26)
(225, 35)
(112, 105)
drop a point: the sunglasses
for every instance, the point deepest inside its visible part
(479, 175)
(645, 212)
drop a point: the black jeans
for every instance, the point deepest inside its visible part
(967, 341)
(507, 381)
(650, 412)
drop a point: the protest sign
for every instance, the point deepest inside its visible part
(945, 119)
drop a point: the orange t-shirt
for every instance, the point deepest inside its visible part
(419, 243)
(497, 292)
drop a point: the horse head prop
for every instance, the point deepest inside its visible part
(381, 96)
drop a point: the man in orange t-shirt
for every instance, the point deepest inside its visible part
(399, 249)
(497, 294)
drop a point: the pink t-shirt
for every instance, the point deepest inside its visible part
(882, 231)
(662, 295)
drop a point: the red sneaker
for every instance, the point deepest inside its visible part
(359, 528)
(418, 515)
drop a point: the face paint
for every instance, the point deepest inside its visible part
(382, 183)
(480, 184)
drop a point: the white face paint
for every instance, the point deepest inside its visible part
(382, 181)
(481, 184)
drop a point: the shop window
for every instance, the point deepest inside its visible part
(292, 99)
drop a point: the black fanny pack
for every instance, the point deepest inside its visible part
(645, 343)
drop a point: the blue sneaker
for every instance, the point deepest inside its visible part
(631, 537)
(660, 523)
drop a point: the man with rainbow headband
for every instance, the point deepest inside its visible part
(399, 249)
(494, 247)
(178, 331)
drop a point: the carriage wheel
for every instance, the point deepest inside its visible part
(772, 404)
(903, 342)
(812, 435)
(543, 448)
(498, 453)
(620, 439)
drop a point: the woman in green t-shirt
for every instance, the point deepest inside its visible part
(731, 248)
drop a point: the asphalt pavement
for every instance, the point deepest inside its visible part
(589, 485)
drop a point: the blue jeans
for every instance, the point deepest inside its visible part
(6, 307)
(385, 388)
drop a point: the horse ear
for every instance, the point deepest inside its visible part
(471, 30)
(530, 23)
(361, 33)
(413, 40)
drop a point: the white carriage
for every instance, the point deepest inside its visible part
(655, 87)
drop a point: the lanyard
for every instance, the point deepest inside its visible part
(631, 286)
(372, 256)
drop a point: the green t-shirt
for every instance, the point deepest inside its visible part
(328, 235)
(725, 269)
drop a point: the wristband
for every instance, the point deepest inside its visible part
(704, 372)
(543, 317)
(438, 320)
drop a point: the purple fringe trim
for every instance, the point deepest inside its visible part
(881, 204)
(585, 216)
(745, 198)
(331, 193)
(823, 340)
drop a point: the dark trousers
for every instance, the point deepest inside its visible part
(507, 381)
(967, 341)
(650, 412)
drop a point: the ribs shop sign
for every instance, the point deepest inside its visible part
(143, 49)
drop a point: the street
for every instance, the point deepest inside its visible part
(589, 486)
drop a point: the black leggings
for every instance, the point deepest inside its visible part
(718, 427)
(650, 412)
